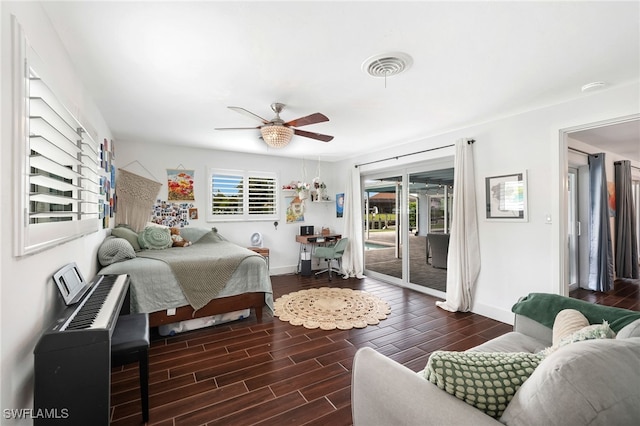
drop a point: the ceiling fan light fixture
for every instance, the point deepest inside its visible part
(276, 136)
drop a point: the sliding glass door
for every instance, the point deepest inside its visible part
(432, 194)
(400, 210)
(383, 247)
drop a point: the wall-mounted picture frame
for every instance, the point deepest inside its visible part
(506, 197)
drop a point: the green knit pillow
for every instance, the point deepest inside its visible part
(155, 238)
(486, 380)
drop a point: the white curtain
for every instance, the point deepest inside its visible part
(463, 262)
(353, 257)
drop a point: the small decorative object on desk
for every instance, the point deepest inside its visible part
(326, 231)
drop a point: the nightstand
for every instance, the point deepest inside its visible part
(263, 251)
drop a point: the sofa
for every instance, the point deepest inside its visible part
(590, 382)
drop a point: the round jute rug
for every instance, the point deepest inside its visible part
(329, 308)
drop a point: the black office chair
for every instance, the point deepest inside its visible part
(130, 343)
(330, 254)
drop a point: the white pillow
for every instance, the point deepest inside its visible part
(590, 383)
(567, 322)
(630, 330)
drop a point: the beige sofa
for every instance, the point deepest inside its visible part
(593, 382)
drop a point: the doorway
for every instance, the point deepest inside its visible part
(613, 136)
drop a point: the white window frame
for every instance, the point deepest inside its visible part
(30, 236)
(245, 214)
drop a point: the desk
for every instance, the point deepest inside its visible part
(313, 240)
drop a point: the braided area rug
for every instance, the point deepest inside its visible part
(330, 308)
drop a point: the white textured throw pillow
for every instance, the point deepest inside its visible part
(567, 322)
(590, 383)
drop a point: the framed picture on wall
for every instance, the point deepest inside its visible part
(506, 197)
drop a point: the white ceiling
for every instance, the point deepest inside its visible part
(165, 72)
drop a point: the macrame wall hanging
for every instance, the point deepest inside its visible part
(136, 196)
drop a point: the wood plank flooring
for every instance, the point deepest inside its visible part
(273, 373)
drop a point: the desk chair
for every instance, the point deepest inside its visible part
(331, 253)
(130, 343)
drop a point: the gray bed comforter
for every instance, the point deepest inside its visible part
(156, 285)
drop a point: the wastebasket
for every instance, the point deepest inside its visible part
(305, 263)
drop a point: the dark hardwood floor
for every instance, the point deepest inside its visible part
(273, 373)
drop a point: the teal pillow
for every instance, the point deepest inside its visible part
(128, 234)
(485, 380)
(155, 238)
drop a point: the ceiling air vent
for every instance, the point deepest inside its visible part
(387, 64)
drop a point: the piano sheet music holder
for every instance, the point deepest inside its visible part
(71, 284)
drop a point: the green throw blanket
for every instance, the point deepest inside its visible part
(204, 268)
(543, 308)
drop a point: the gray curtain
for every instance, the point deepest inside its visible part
(600, 247)
(626, 247)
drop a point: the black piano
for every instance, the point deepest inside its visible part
(73, 356)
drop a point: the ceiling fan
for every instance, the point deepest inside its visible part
(276, 132)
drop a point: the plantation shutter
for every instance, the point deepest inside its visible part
(63, 181)
(262, 195)
(57, 185)
(240, 195)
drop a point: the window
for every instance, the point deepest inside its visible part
(240, 195)
(57, 184)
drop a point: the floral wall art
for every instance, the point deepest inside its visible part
(180, 185)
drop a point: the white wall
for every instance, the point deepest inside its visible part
(519, 258)
(153, 162)
(28, 295)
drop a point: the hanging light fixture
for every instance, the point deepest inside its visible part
(276, 135)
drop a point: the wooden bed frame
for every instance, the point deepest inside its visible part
(221, 305)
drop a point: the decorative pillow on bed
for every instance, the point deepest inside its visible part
(194, 233)
(114, 250)
(155, 238)
(122, 231)
(486, 380)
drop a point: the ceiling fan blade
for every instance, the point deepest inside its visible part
(309, 119)
(312, 135)
(237, 128)
(249, 114)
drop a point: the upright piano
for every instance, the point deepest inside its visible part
(73, 356)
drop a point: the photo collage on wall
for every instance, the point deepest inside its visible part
(173, 215)
(107, 201)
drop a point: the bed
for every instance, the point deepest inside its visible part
(210, 277)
